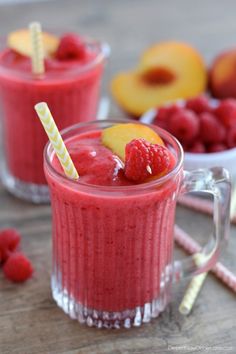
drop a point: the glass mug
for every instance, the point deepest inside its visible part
(113, 245)
(66, 88)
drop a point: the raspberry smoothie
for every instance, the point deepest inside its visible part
(112, 237)
(71, 83)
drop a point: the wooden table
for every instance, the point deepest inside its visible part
(30, 322)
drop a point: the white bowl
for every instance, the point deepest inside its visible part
(192, 161)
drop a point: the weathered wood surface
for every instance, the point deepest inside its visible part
(30, 322)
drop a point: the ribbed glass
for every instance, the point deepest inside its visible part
(72, 98)
(112, 249)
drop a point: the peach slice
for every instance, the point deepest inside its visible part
(223, 75)
(166, 72)
(20, 42)
(118, 136)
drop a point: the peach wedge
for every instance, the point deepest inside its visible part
(167, 71)
(20, 42)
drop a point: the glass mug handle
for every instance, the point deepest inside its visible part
(215, 181)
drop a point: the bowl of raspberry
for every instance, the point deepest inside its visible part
(205, 127)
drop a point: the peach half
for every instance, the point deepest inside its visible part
(223, 75)
(167, 71)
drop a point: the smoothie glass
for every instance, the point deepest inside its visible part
(67, 87)
(113, 245)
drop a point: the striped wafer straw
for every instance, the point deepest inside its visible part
(56, 140)
(191, 246)
(194, 287)
(37, 56)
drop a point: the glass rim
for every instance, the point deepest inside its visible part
(102, 54)
(141, 186)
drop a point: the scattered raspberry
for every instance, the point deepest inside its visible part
(198, 104)
(212, 131)
(217, 147)
(70, 47)
(143, 160)
(9, 240)
(231, 138)
(184, 125)
(226, 112)
(197, 147)
(17, 268)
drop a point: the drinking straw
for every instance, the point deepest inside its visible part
(219, 270)
(56, 140)
(194, 287)
(37, 53)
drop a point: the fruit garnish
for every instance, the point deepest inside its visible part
(118, 136)
(71, 46)
(167, 71)
(17, 268)
(184, 124)
(9, 240)
(144, 160)
(20, 42)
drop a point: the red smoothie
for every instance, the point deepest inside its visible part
(67, 86)
(112, 238)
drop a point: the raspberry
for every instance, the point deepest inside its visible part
(143, 160)
(18, 267)
(217, 147)
(184, 125)
(198, 104)
(71, 47)
(231, 138)
(212, 131)
(163, 115)
(197, 147)
(226, 112)
(9, 240)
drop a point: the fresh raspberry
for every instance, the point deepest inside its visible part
(197, 147)
(226, 112)
(164, 113)
(161, 117)
(143, 160)
(184, 125)
(212, 131)
(198, 104)
(9, 240)
(18, 267)
(231, 138)
(217, 147)
(71, 46)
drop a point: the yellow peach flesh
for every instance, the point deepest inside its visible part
(186, 70)
(20, 42)
(118, 136)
